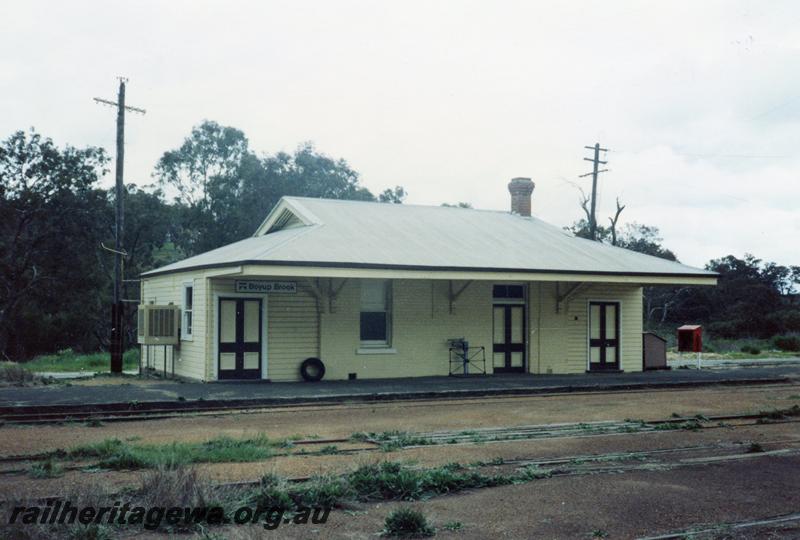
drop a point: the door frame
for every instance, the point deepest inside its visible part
(524, 350)
(589, 303)
(264, 332)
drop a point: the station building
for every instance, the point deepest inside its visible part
(375, 290)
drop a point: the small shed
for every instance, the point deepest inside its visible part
(690, 338)
(654, 351)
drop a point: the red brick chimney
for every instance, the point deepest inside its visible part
(521, 190)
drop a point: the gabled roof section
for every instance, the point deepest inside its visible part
(289, 213)
(337, 234)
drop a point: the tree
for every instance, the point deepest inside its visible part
(309, 173)
(457, 205)
(582, 227)
(394, 196)
(749, 301)
(644, 239)
(209, 159)
(53, 221)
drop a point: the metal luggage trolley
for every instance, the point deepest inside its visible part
(462, 356)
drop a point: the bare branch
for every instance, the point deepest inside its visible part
(614, 220)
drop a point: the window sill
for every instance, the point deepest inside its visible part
(376, 350)
(187, 338)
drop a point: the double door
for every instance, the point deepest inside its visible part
(240, 338)
(603, 336)
(508, 348)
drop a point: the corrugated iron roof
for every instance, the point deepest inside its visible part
(365, 234)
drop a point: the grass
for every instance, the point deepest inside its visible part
(385, 481)
(392, 440)
(453, 526)
(407, 523)
(779, 346)
(689, 425)
(755, 448)
(69, 360)
(116, 454)
(46, 469)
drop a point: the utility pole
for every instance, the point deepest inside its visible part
(596, 163)
(117, 319)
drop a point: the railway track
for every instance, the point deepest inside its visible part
(159, 410)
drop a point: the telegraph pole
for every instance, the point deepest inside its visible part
(117, 319)
(596, 163)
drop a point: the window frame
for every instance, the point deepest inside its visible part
(387, 310)
(187, 335)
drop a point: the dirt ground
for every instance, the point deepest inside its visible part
(682, 480)
(343, 420)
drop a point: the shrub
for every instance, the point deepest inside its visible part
(46, 469)
(787, 343)
(175, 486)
(407, 523)
(273, 493)
(751, 349)
(13, 373)
(324, 491)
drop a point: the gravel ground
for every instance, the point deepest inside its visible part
(343, 420)
(623, 505)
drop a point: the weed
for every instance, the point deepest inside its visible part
(393, 480)
(779, 414)
(395, 440)
(755, 448)
(46, 469)
(407, 523)
(174, 486)
(272, 492)
(532, 472)
(323, 491)
(117, 455)
(453, 526)
(689, 425)
(751, 349)
(94, 422)
(599, 533)
(89, 532)
(329, 449)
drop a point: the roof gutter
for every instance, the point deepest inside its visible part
(324, 269)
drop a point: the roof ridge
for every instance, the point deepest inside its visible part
(390, 205)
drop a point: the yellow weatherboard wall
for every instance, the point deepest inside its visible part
(421, 324)
(190, 358)
(315, 323)
(558, 341)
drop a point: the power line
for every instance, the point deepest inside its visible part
(117, 320)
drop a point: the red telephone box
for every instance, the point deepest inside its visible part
(690, 338)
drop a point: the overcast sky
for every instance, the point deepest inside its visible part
(698, 102)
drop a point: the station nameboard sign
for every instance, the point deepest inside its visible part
(264, 287)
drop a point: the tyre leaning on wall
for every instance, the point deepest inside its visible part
(312, 369)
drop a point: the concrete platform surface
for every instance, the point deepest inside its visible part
(406, 388)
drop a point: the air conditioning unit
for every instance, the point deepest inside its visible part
(159, 325)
